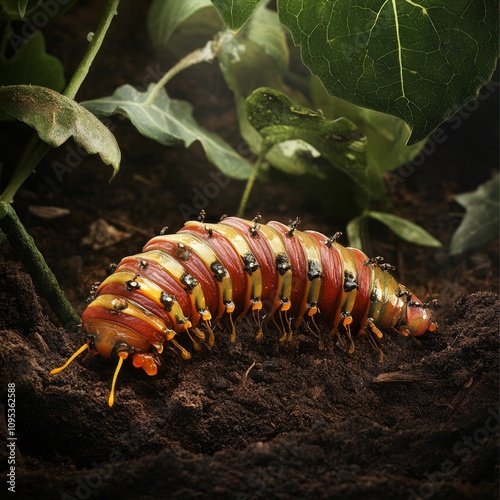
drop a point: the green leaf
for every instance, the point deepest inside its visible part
(256, 57)
(235, 13)
(37, 11)
(32, 65)
(398, 57)
(405, 229)
(170, 122)
(56, 118)
(338, 143)
(21, 5)
(16, 9)
(166, 16)
(386, 135)
(481, 222)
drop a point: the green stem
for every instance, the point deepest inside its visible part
(249, 186)
(205, 54)
(33, 261)
(32, 156)
(94, 46)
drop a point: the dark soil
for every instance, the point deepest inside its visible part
(248, 419)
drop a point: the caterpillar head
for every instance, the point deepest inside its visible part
(418, 318)
(115, 341)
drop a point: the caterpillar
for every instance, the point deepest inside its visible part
(190, 280)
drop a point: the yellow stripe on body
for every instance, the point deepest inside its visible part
(284, 288)
(134, 310)
(253, 289)
(208, 257)
(152, 291)
(313, 286)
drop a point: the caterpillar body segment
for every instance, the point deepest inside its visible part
(190, 280)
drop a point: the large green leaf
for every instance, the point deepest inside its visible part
(32, 65)
(170, 122)
(405, 229)
(235, 13)
(417, 61)
(481, 222)
(56, 118)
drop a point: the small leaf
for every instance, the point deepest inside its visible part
(170, 122)
(166, 16)
(21, 5)
(37, 11)
(16, 9)
(481, 222)
(398, 57)
(32, 65)
(235, 13)
(405, 229)
(56, 118)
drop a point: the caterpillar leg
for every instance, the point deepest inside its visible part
(373, 333)
(346, 323)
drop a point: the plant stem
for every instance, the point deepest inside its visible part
(205, 54)
(94, 46)
(33, 154)
(43, 278)
(249, 186)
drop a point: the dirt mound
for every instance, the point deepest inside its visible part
(256, 419)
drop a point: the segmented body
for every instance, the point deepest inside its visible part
(187, 281)
(235, 266)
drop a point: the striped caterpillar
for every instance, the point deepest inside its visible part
(188, 281)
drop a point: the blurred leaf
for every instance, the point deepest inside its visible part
(32, 65)
(399, 58)
(386, 135)
(21, 6)
(332, 144)
(16, 9)
(56, 118)
(235, 13)
(354, 228)
(256, 57)
(481, 222)
(170, 122)
(166, 16)
(405, 229)
(39, 10)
